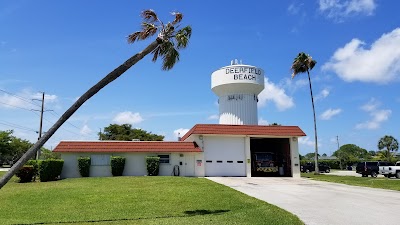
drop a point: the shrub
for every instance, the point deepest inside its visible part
(152, 165)
(25, 174)
(84, 166)
(50, 169)
(117, 165)
(35, 164)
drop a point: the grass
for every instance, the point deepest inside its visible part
(384, 183)
(134, 200)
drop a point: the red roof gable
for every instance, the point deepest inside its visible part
(291, 131)
(126, 146)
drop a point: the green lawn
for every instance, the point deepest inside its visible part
(134, 200)
(385, 183)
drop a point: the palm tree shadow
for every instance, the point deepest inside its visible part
(204, 212)
(199, 212)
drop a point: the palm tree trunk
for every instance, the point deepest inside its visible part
(315, 127)
(87, 95)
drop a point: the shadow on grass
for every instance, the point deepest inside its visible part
(187, 214)
(204, 212)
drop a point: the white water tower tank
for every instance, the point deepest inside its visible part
(237, 87)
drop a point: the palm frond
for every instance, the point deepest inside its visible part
(133, 37)
(156, 53)
(170, 55)
(302, 63)
(178, 17)
(149, 30)
(149, 15)
(182, 37)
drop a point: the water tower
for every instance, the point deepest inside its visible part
(237, 87)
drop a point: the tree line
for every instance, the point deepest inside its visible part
(348, 154)
(12, 148)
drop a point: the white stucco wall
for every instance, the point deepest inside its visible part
(294, 152)
(135, 164)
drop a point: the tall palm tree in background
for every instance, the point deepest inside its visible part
(301, 64)
(389, 144)
(169, 40)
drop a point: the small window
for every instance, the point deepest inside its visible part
(239, 161)
(229, 161)
(208, 161)
(164, 158)
(219, 161)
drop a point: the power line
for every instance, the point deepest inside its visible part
(15, 106)
(16, 126)
(19, 97)
(56, 114)
(50, 122)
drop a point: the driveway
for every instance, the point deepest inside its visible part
(316, 202)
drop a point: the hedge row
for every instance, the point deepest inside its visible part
(50, 169)
(334, 164)
(84, 166)
(26, 173)
(117, 165)
(46, 170)
(152, 165)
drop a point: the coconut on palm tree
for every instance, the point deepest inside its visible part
(167, 44)
(301, 64)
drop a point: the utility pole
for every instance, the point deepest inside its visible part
(41, 121)
(340, 160)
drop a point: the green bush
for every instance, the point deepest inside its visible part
(84, 166)
(50, 169)
(117, 165)
(35, 164)
(152, 165)
(26, 173)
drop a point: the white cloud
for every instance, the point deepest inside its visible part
(307, 142)
(323, 94)
(379, 64)
(378, 116)
(293, 84)
(85, 130)
(180, 132)
(24, 99)
(127, 117)
(294, 8)
(275, 94)
(338, 10)
(329, 113)
(261, 121)
(213, 117)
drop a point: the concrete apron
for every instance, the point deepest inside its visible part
(316, 202)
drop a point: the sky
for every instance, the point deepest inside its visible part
(64, 47)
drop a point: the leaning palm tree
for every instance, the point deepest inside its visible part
(301, 64)
(169, 40)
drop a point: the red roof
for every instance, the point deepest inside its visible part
(276, 131)
(127, 146)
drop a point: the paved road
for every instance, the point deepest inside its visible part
(316, 202)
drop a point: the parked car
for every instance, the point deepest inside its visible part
(309, 167)
(392, 170)
(370, 168)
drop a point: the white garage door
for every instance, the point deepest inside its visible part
(224, 156)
